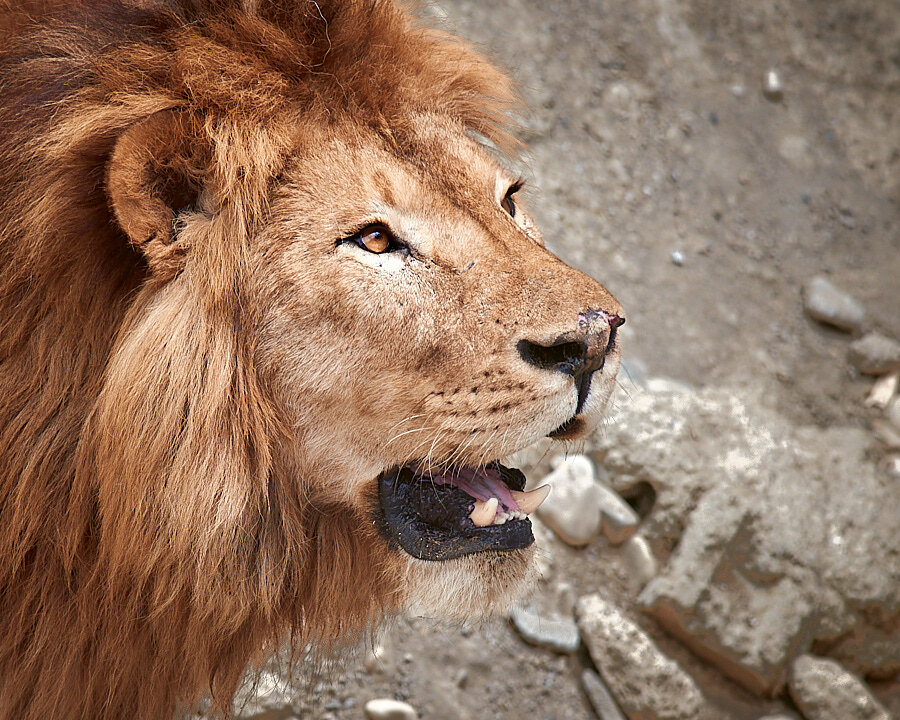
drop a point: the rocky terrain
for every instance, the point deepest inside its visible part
(727, 547)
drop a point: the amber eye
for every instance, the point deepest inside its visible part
(376, 239)
(507, 202)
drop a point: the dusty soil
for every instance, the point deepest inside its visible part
(649, 134)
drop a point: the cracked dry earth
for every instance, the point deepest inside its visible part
(658, 165)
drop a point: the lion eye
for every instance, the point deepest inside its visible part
(376, 239)
(507, 202)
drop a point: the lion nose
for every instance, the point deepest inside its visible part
(579, 352)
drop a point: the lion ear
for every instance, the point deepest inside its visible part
(155, 174)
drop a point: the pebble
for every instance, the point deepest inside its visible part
(828, 304)
(677, 257)
(619, 520)
(387, 709)
(639, 559)
(883, 390)
(875, 354)
(646, 683)
(773, 88)
(601, 699)
(556, 633)
(823, 690)
(572, 510)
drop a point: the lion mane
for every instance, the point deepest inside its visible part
(150, 544)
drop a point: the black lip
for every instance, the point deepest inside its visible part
(431, 522)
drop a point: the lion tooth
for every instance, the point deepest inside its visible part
(484, 512)
(529, 501)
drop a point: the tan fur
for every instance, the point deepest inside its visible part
(199, 383)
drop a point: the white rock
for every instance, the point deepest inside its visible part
(823, 690)
(773, 88)
(572, 510)
(883, 390)
(875, 354)
(601, 699)
(387, 709)
(639, 559)
(646, 683)
(618, 519)
(829, 304)
(556, 633)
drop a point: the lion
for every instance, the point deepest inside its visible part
(271, 315)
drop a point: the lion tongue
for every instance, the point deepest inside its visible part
(482, 484)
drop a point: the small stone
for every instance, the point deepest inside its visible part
(828, 304)
(646, 683)
(823, 690)
(639, 559)
(847, 219)
(572, 510)
(387, 709)
(619, 520)
(773, 89)
(779, 716)
(883, 390)
(892, 413)
(737, 90)
(601, 699)
(875, 354)
(556, 633)
(677, 257)
(376, 660)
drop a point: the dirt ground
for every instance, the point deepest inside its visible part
(650, 142)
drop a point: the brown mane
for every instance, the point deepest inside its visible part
(148, 553)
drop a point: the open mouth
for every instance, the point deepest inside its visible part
(454, 511)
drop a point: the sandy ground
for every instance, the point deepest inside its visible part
(649, 134)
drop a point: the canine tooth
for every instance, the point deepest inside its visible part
(529, 501)
(484, 512)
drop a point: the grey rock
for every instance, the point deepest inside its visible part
(823, 690)
(618, 519)
(770, 537)
(601, 699)
(779, 716)
(875, 354)
(556, 633)
(572, 509)
(388, 709)
(646, 683)
(829, 304)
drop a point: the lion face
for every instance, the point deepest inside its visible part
(415, 330)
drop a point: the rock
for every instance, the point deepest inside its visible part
(640, 560)
(823, 690)
(556, 633)
(387, 709)
(828, 304)
(773, 89)
(779, 716)
(646, 683)
(618, 520)
(875, 354)
(677, 257)
(263, 695)
(771, 538)
(572, 510)
(600, 697)
(883, 390)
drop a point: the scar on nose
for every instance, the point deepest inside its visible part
(469, 266)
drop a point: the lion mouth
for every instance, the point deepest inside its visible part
(456, 511)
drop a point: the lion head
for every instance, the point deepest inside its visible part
(273, 314)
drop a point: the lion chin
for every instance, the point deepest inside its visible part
(271, 316)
